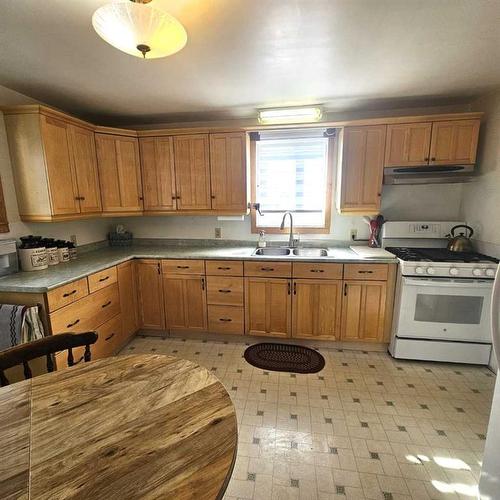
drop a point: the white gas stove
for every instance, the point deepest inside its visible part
(442, 306)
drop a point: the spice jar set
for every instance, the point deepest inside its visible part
(37, 253)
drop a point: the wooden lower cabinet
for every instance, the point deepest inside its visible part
(127, 286)
(185, 302)
(226, 319)
(316, 309)
(150, 294)
(363, 311)
(268, 303)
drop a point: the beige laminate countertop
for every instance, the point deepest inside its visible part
(94, 261)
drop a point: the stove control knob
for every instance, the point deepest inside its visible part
(490, 273)
(453, 271)
(478, 272)
(419, 270)
(431, 270)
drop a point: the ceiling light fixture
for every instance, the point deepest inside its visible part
(137, 28)
(290, 115)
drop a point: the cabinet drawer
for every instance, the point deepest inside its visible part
(67, 294)
(223, 290)
(265, 269)
(226, 319)
(224, 267)
(102, 279)
(110, 338)
(88, 313)
(317, 270)
(366, 272)
(183, 266)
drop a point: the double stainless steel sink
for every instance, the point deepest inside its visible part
(292, 252)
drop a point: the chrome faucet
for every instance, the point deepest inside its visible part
(291, 241)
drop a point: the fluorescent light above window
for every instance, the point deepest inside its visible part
(290, 115)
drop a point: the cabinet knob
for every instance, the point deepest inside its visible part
(426, 159)
(433, 159)
(213, 197)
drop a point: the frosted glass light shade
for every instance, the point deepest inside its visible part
(136, 27)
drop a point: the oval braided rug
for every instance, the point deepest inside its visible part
(284, 358)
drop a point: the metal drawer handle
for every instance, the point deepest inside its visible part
(365, 272)
(224, 291)
(224, 268)
(104, 279)
(73, 324)
(225, 319)
(107, 304)
(69, 293)
(267, 268)
(110, 337)
(182, 267)
(317, 270)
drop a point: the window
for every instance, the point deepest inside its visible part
(292, 172)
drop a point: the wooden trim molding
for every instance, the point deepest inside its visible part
(325, 229)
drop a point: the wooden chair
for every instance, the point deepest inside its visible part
(48, 346)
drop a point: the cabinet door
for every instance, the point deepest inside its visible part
(316, 309)
(228, 170)
(454, 142)
(60, 169)
(268, 304)
(127, 286)
(192, 172)
(158, 178)
(362, 169)
(85, 161)
(119, 173)
(150, 294)
(408, 144)
(129, 171)
(363, 310)
(185, 302)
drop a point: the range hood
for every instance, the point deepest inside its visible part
(433, 174)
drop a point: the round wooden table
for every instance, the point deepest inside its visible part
(147, 426)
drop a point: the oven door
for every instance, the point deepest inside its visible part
(444, 309)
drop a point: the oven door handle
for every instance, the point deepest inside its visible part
(495, 316)
(447, 283)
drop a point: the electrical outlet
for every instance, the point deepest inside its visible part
(73, 238)
(354, 234)
(218, 233)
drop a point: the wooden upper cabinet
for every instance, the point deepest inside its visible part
(119, 173)
(408, 144)
(85, 163)
(56, 136)
(158, 176)
(361, 171)
(228, 164)
(454, 142)
(316, 309)
(363, 310)
(192, 172)
(268, 305)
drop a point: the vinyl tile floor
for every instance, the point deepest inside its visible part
(366, 427)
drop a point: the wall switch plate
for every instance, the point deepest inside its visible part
(73, 238)
(353, 234)
(218, 233)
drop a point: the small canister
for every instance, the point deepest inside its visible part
(32, 254)
(52, 251)
(72, 250)
(63, 250)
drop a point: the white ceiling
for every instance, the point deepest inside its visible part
(246, 54)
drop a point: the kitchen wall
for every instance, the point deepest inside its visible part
(87, 231)
(438, 202)
(481, 198)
